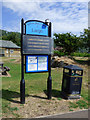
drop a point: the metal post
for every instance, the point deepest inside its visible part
(22, 83)
(49, 81)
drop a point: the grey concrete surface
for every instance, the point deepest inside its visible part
(78, 114)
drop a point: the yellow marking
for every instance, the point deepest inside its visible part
(38, 40)
(72, 76)
(76, 79)
(38, 46)
(37, 49)
(73, 94)
(37, 43)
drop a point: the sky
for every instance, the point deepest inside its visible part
(65, 15)
(89, 15)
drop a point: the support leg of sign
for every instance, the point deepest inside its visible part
(22, 91)
(49, 81)
(22, 83)
(49, 87)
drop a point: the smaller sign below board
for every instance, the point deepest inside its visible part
(37, 63)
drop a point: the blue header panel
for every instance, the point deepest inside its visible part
(36, 28)
(36, 63)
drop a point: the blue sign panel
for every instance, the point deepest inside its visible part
(36, 63)
(36, 28)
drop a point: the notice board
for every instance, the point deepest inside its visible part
(37, 45)
(36, 63)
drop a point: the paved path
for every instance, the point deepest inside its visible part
(78, 114)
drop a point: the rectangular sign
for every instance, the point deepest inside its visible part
(36, 28)
(37, 63)
(37, 45)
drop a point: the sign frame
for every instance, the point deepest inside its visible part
(41, 55)
(22, 82)
(37, 34)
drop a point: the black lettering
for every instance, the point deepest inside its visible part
(37, 31)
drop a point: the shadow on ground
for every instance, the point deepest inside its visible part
(36, 96)
(55, 93)
(9, 95)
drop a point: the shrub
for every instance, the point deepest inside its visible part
(59, 53)
(77, 54)
(80, 54)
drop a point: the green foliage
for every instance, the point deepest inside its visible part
(73, 105)
(12, 59)
(69, 42)
(13, 108)
(11, 36)
(85, 39)
(59, 98)
(82, 104)
(58, 53)
(78, 54)
(70, 110)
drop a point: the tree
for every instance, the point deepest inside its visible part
(85, 39)
(15, 37)
(69, 42)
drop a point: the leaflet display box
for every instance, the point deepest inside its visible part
(36, 63)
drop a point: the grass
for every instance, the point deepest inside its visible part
(35, 83)
(70, 110)
(59, 98)
(12, 59)
(72, 105)
(80, 103)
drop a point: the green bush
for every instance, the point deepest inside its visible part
(80, 54)
(77, 54)
(59, 53)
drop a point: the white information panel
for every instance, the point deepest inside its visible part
(37, 63)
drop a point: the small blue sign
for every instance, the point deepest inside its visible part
(37, 63)
(36, 28)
